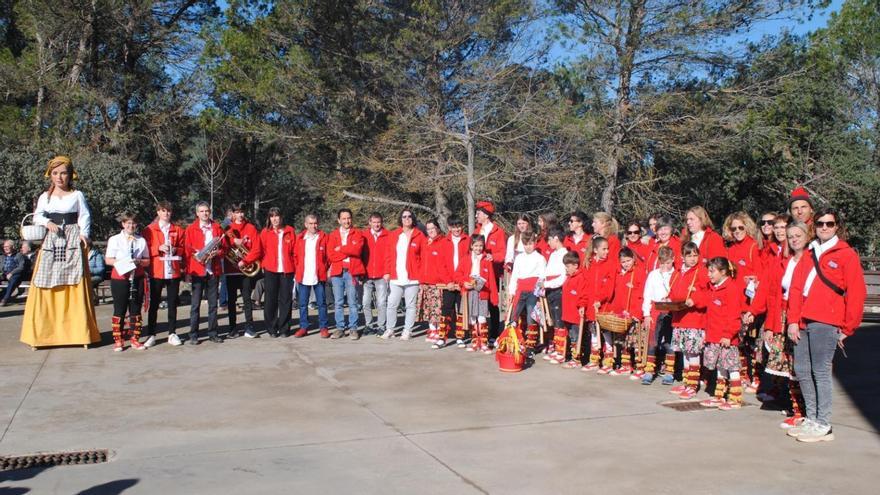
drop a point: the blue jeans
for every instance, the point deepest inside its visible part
(346, 287)
(14, 282)
(302, 296)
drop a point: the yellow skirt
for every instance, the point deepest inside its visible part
(62, 315)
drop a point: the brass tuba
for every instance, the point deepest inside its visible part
(237, 253)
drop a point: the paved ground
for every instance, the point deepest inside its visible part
(318, 416)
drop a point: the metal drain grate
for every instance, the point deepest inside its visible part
(11, 463)
(691, 406)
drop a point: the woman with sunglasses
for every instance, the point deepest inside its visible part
(633, 240)
(699, 230)
(402, 267)
(578, 240)
(826, 302)
(771, 247)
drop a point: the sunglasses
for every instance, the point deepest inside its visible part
(830, 224)
(405, 216)
(633, 232)
(739, 228)
(574, 220)
(768, 222)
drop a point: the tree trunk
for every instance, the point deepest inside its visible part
(441, 203)
(470, 197)
(82, 48)
(41, 88)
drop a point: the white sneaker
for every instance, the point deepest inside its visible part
(460, 344)
(250, 334)
(438, 344)
(803, 429)
(818, 433)
(387, 335)
(173, 339)
(406, 335)
(150, 341)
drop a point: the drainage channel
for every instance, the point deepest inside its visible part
(692, 406)
(12, 463)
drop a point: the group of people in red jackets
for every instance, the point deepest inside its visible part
(753, 307)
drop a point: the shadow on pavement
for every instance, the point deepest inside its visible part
(859, 372)
(110, 488)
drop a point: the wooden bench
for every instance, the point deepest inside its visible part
(22, 288)
(872, 302)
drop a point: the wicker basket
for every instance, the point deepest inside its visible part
(32, 232)
(670, 305)
(613, 323)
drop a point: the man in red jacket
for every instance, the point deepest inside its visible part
(311, 275)
(242, 234)
(205, 274)
(345, 247)
(165, 243)
(496, 246)
(375, 251)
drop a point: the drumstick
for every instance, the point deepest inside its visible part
(580, 339)
(465, 321)
(543, 323)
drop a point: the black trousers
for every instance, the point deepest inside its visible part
(448, 307)
(207, 286)
(279, 295)
(239, 284)
(123, 302)
(554, 300)
(172, 288)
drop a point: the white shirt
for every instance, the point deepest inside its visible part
(485, 230)
(526, 265)
(343, 234)
(786, 278)
(280, 233)
(554, 274)
(166, 231)
(209, 234)
(698, 237)
(310, 263)
(402, 249)
(513, 249)
(819, 249)
(656, 288)
(455, 241)
(73, 202)
(123, 247)
(475, 265)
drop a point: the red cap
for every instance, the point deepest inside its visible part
(799, 194)
(487, 207)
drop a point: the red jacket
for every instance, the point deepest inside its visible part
(320, 256)
(375, 252)
(641, 251)
(489, 292)
(543, 247)
(266, 250)
(249, 236)
(629, 290)
(674, 243)
(769, 298)
(155, 239)
(724, 309)
(194, 240)
(496, 245)
(683, 287)
(575, 294)
(745, 256)
(712, 245)
(841, 266)
(600, 275)
(464, 249)
(613, 247)
(413, 253)
(353, 250)
(580, 247)
(436, 262)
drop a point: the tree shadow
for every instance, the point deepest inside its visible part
(111, 487)
(859, 372)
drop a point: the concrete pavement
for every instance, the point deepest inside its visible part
(369, 416)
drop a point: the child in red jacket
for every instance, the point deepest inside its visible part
(476, 276)
(723, 302)
(600, 274)
(629, 287)
(575, 296)
(689, 324)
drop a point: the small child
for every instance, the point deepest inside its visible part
(688, 325)
(601, 274)
(555, 276)
(528, 271)
(575, 295)
(629, 287)
(128, 254)
(658, 323)
(723, 301)
(477, 278)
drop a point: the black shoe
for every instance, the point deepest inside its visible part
(216, 339)
(285, 334)
(193, 339)
(233, 333)
(6, 302)
(273, 335)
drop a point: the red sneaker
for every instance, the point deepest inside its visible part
(134, 344)
(302, 332)
(791, 422)
(687, 394)
(712, 402)
(677, 389)
(325, 333)
(729, 406)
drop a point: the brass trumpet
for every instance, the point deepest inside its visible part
(237, 253)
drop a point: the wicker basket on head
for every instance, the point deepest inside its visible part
(32, 232)
(613, 323)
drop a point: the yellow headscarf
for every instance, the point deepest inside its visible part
(59, 161)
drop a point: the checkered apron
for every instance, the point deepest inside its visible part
(61, 260)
